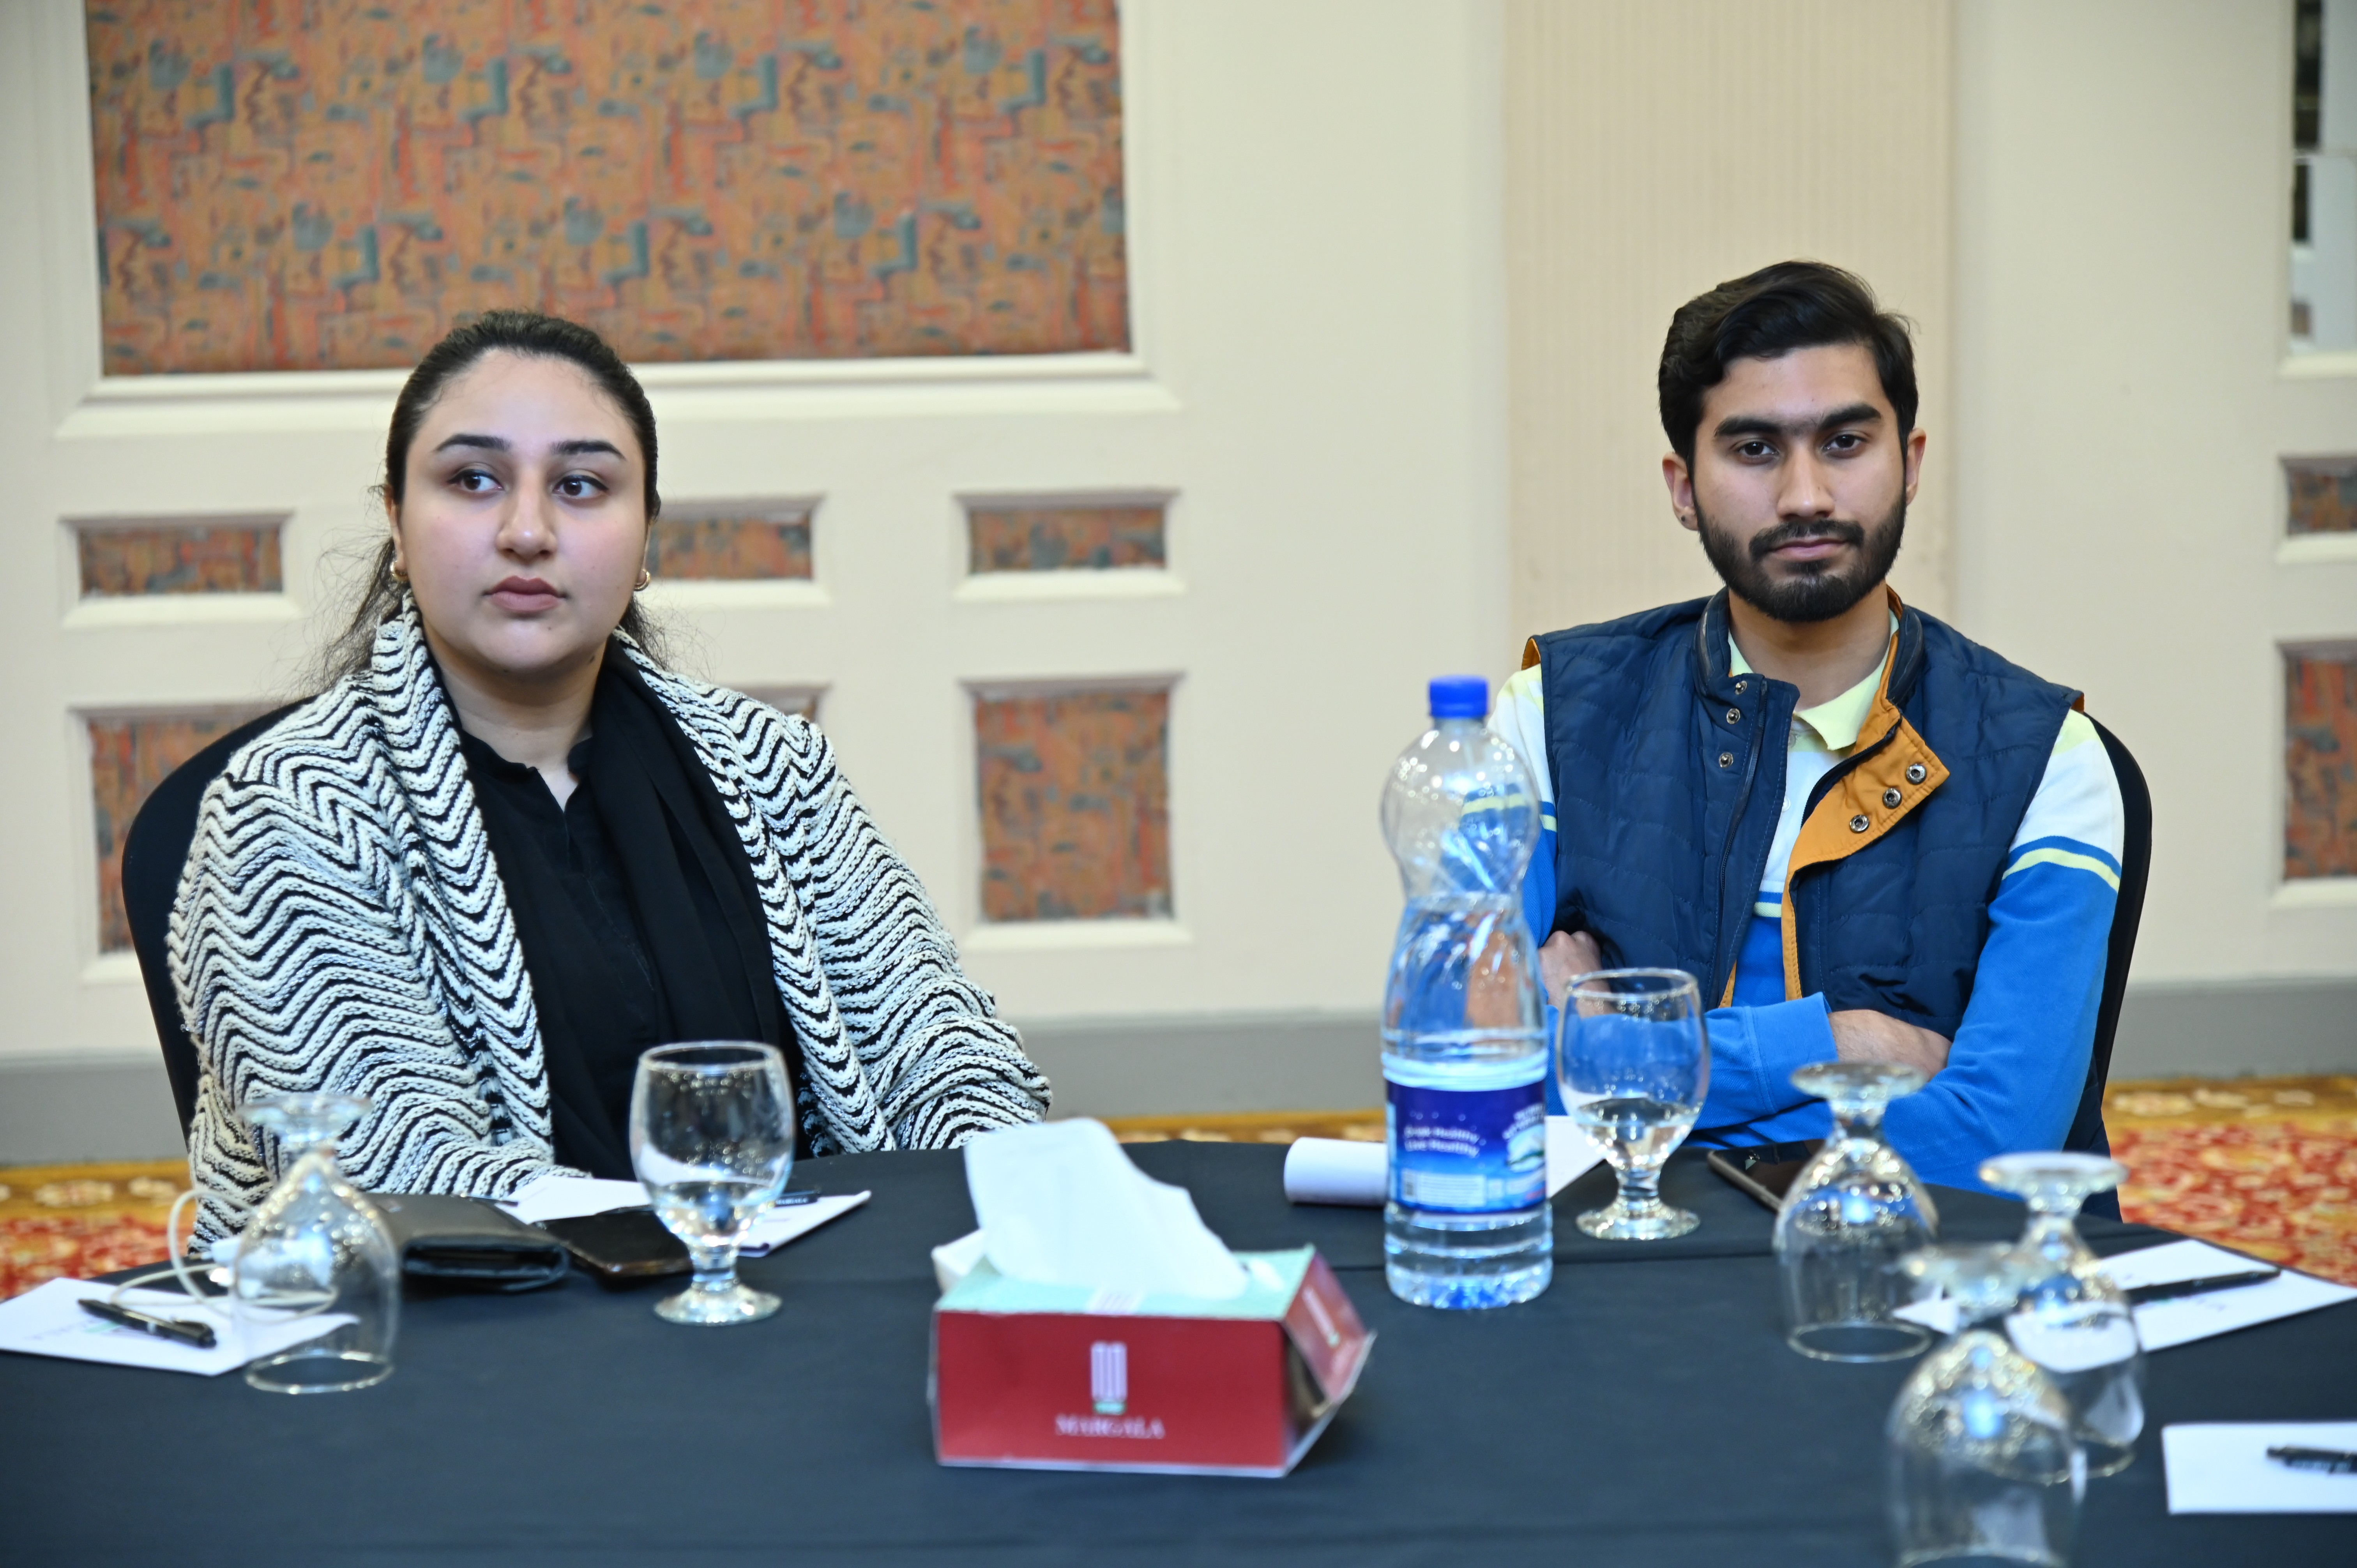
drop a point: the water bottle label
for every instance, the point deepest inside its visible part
(1469, 1151)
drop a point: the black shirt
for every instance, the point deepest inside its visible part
(636, 909)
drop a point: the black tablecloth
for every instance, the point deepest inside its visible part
(1646, 1412)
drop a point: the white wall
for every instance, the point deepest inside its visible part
(1314, 199)
(1653, 151)
(2123, 400)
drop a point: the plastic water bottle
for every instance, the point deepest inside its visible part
(1464, 1052)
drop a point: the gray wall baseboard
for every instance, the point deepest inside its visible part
(2228, 1028)
(56, 1109)
(1214, 1062)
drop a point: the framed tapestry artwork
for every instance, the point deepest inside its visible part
(335, 184)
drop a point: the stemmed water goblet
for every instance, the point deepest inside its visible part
(2073, 1320)
(1984, 1462)
(317, 1247)
(1634, 1064)
(712, 1137)
(1855, 1210)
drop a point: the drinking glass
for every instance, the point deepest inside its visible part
(316, 1247)
(1852, 1214)
(1982, 1462)
(712, 1137)
(2073, 1320)
(1634, 1065)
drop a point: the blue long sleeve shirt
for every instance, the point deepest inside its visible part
(2020, 1058)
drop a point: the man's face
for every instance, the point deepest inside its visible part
(1799, 481)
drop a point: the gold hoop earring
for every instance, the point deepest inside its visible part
(396, 573)
(646, 579)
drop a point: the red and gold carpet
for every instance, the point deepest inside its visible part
(80, 1221)
(2267, 1165)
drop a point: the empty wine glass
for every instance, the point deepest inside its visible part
(2073, 1320)
(316, 1247)
(1634, 1064)
(1852, 1214)
(712, 1137)
(1984, 1464)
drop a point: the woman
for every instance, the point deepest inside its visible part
(505, 850)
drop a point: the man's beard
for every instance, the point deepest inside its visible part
(1817, 591)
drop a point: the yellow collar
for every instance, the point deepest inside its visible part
(1834, 724)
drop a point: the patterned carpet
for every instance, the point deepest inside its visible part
(82, 1220)
(2268, 1164)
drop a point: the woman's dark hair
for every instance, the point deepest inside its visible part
(1793, 305)
(518, 332)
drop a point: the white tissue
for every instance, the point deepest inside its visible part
(1061, 1205)
(952, 1261)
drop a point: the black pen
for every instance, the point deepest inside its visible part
(2139, 1295)
(2332, 1461)
(199, 1334)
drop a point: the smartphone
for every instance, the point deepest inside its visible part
(1767, 1174)
(621, 1244)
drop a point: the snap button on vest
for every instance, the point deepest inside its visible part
(1726, 759)
(1891, 797)
(1915, 773)
(1735, 715)
(1741, 687)
(1858, 823)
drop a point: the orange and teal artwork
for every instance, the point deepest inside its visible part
(287, 185)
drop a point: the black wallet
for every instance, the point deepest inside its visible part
(469, 1243)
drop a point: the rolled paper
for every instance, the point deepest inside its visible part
(1336, 1170)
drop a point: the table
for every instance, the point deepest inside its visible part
(1643, 1410)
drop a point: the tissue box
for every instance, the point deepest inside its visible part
(1063, 1378)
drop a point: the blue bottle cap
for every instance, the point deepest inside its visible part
(1461, 697)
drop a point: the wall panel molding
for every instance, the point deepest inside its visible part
(1653, 151)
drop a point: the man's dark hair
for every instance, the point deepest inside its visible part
(526, 332)
(1792, 305)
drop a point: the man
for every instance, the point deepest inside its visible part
(1866, 836)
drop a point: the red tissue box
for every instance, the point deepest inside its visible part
(1063, 1378)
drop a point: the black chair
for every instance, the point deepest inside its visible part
(2135, 866)
(155, 853)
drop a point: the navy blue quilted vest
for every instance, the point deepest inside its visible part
(1669, 774)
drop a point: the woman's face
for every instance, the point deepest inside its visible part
(523, 519)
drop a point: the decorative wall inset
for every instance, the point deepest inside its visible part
(335, 184)
(128, 757)
(2323, 495)
(1075, 804)
(225, 557)
(2320, 763)
(801, 700)
(1063, 538)
(732, 548)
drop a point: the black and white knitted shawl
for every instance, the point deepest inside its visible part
(341, 925)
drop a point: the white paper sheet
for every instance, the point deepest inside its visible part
(571, 1196)
(2162, 1324)
(1336, 1170)
(779, 1226)
(2222, 1468)
(1345, 1171)
(1060, 1203)
(48, 1320)
(1571, 1154)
